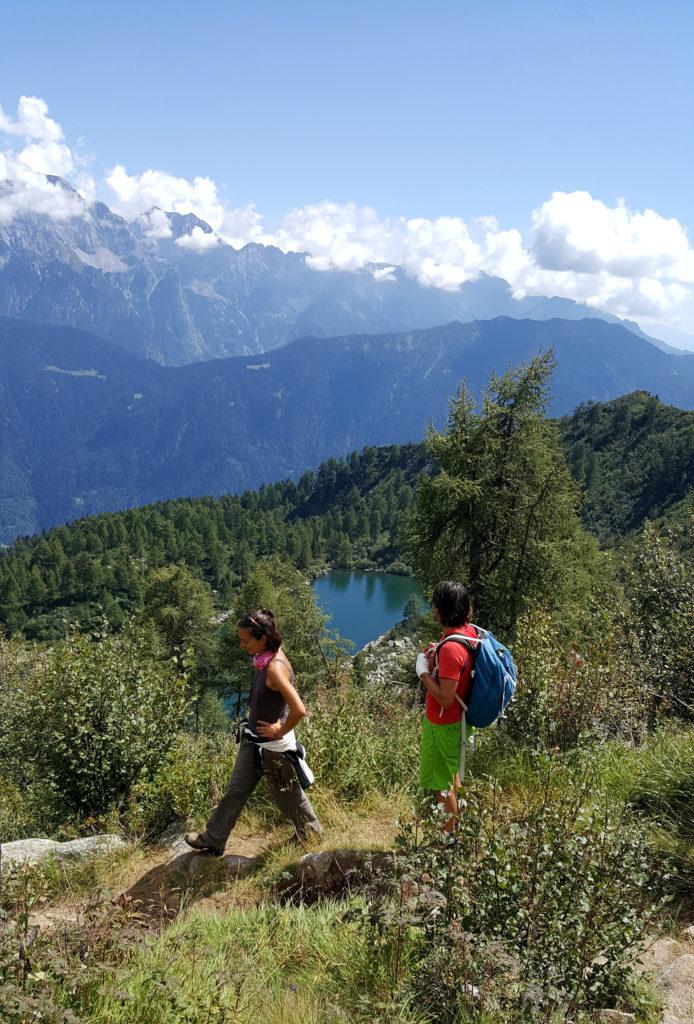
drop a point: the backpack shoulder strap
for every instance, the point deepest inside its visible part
(470, 643)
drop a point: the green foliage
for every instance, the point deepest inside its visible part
(211, 716)
(413, 609)
(56, 976)
(539, 908)
(182, 609)
(265, 965)
(568, 696)
(179, 605)
(657, 780)
(363, 740)
(34, 810)
(92, 715)
(501, 512)
(347, 513)
(660, 588)
(183, 785)
(634, 458)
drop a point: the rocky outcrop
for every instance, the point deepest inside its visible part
(331, 873)
(386, 659)
(33, 851)
(670, 964)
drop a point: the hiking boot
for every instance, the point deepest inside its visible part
(196, 843)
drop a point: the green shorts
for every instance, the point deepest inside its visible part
(440, 754)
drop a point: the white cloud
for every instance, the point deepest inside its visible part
(155, 224)
(198, 240)
(628, 263)
(242, 225)
(45, 151)
(574, 231)
(632, 263)
(137, 194)
(606, 257)
(34, 193)
(32, 121)
(384, 273)
(33, 147)
(441, 253)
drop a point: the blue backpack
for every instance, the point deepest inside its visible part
(494, 676)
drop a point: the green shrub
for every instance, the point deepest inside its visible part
(570, 695)
(92, 715)
(540, 907)
(210, 716)
(33, 810)
(186, 784)
(361, 740)
(657, 780)
(660, 585)
(55, 976)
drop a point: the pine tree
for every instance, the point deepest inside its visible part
(500, 515)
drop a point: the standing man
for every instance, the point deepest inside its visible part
(442, 725)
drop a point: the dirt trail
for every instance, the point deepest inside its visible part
(671, 964)
(161, 882)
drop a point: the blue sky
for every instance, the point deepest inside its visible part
(419, 110)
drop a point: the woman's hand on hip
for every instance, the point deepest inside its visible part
(269, 730)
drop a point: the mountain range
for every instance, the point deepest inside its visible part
(172, 296)
(88, 427)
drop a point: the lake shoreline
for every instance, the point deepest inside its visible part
(365, 604)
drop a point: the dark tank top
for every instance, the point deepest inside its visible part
(266, 705)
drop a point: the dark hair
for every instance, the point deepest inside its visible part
(261, 623)
(453, 603)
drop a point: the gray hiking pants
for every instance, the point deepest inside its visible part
(284, 789)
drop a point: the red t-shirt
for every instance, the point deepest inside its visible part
(455, 662)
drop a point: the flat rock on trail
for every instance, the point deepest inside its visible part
(670, 963)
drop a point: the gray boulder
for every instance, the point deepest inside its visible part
(33, 851)
(229, 864)
(331, 873)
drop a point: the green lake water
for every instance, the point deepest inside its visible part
(363, 605)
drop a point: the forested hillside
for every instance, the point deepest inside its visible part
(89, 428)
(634, 458)
(344, 514)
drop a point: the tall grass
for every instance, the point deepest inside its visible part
(268, 965)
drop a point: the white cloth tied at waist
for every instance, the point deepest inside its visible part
(288, 744)
(288, 741)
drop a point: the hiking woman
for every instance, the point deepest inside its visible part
(268, 745)
(442, 724)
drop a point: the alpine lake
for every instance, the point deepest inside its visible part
(364, 605)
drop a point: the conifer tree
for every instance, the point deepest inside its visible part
(500, 514)
(180, 606)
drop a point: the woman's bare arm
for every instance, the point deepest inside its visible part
(278, 679)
